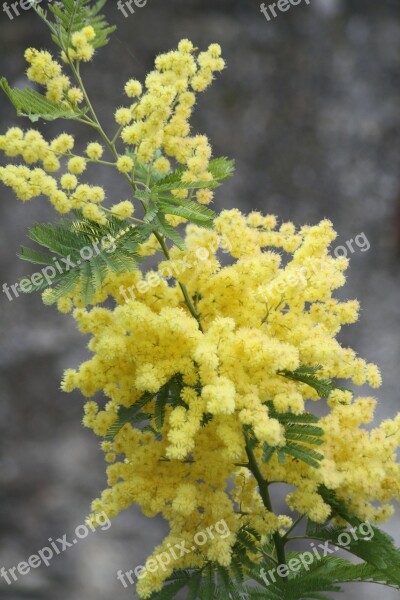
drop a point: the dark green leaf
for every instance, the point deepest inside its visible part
(379, 551)
(169, 231)
(113, 248)
(128, 415)
(307, 375)
(160, 406)
(301, 434)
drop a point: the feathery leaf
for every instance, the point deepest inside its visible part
(35, 106)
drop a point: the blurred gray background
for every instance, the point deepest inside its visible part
(309, 107)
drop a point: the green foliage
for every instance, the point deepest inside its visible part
(113, 248)
(307, 375)
(177, 582)
(168, 395)
(132, 415)
(220, 168)
(73, 16)
(310, 581)
(379, 552)
(338, 506)
(301, 435)
(247, 541)
(35, 106)
(314, 580)
(161, 225)
(209, 583)
(192, 211)
(159, 201)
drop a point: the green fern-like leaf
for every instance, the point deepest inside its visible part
(377, 550)
(113, 248)
(158, 202)
(132, 414)
(162, 401)
(303, 453)
(194, 585)
(160, 205)
(307, 375)
(313, 581)
(35, 106)
(222, 168)
(168, 231)
(212, 582)
(168, 395)
(177, 582)
(33, 256)
(152, 210)
(301, 435)
(338, 506)
(192, 211)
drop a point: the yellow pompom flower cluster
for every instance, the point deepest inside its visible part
(31, 147)
(28, 182)
(43, 68)
(217, 343)
(159, 119)
(123, 210)
(94, 151)
(259, 317)
(32, 182)
(155, 128)
(46, 71)
(81, 48)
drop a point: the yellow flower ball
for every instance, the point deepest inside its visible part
(133, 88)
(161, 166)
(94, 151)
(123, 116)
(77, 165)
(125, 164)
(69, 181)
(123, 210)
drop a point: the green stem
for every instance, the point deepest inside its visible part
(116, 136)
(97, 161)
(286, 538)
(96, 122)
(264, 493)
(185, 293)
